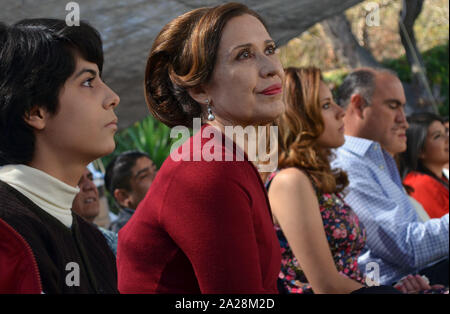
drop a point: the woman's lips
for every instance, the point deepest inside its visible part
(272, 90)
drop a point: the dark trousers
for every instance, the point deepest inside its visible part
(437, 274)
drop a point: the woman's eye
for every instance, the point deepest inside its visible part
(326, 106)
(271, 49)
(244, 55)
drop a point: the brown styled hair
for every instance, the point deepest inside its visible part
(183, 56)
(300, 127)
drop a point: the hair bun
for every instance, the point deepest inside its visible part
(166, 92)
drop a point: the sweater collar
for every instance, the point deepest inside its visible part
(47, 192)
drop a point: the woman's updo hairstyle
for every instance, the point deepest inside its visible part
(183, 57)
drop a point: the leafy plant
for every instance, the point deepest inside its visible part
(149, 136)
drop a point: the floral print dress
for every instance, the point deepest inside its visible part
(346, 237)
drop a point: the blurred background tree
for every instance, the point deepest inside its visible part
(347, 41)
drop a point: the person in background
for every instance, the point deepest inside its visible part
(205, 226)
(52, 98)
(398, 242)
(127, 178)
(422, 163)
(86, 204)
(106, 216)
(320, 236)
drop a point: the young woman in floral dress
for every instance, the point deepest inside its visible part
(320, 236)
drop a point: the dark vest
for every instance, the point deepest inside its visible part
(61, 253)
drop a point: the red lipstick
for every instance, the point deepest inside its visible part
(272, 90)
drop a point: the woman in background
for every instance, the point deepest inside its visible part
(423, 162)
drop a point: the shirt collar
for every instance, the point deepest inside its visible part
(359, 146)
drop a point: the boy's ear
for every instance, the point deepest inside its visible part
(122, 197)
(199, 94)
(36, 117)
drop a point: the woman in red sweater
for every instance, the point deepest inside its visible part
(423, 162)
(205, 225)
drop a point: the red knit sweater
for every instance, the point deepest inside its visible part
(203, 227)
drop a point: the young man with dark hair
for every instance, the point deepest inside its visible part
(56, 116)
(128, 178)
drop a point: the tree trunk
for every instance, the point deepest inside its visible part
(345, 44)
(408, 15)
(419, 96)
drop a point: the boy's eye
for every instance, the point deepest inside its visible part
(142, 176)
(88, 82)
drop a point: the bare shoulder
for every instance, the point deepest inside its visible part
(291, 193)
(292, 179)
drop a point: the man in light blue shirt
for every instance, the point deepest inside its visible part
(398, 242)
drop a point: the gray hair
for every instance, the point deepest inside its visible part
(362, 82)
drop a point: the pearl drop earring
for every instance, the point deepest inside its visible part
(211, 116)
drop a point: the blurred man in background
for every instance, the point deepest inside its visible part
(87, 205)
(128, 178)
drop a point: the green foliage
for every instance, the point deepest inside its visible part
(436, 63)
(400, 66)
(335, 77)
(437, 67)
(148, 135)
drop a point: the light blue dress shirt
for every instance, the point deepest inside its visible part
(397, 240)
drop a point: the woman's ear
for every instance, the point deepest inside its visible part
(36, 117)
(199, 95)
(421, 154)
